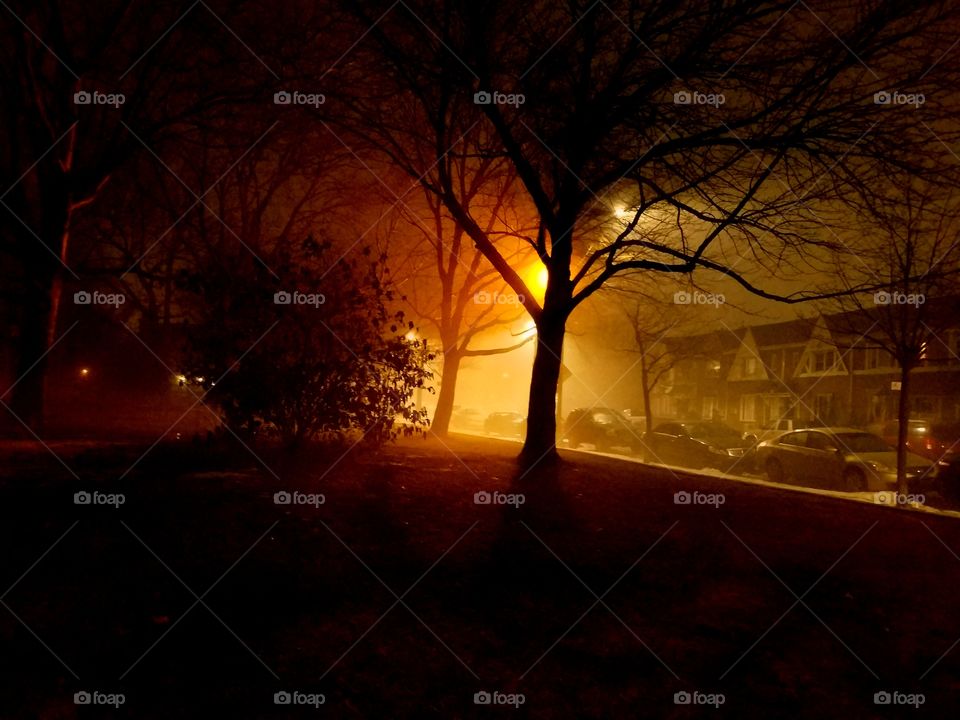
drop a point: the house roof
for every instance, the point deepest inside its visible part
(790, 332)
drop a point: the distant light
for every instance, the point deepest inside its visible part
(411, 336)
(182, 379)
(622, 213)
(543, 277)
(200, 379)
(84, 372)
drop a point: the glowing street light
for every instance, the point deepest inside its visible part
(536, 279)
(84, 372)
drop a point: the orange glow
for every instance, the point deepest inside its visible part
(536, 279)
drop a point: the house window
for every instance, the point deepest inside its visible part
(774, 363)
(876, 358)
(924, 407)
(749, 366)
(953, 347)
(710, 407)
(823, 407)
(822, 361)
(748, 408)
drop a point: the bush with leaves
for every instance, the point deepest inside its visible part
(307, 343)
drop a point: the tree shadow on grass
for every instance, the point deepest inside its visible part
(527, 532)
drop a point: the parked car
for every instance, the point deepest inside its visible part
(841, 459)
(948, 479)
(639, 422)
(771, 430)
(507, 424)
(466, 420)
(753, 438)
(604, 428)
(694, 445)
(933, 440)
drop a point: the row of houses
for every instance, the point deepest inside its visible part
(807, 369)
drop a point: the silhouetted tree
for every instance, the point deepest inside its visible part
(745, 122)
(88, 87)
(308, 345)
(911, 253)
(452, 287)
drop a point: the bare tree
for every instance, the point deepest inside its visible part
(660, 348)
(742, 122)
(88, 88)
(451, 286)
(912, 252)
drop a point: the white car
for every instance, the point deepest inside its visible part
(841, 459)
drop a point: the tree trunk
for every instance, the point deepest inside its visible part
(42, 201)
(540, 445)
(448, 389)
(646, 389)
(39, 316)
(26, 399)
(903, 417)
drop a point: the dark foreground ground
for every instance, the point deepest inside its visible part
(400, 597)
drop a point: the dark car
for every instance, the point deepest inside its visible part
(933, 440)
(936, 441)
(843, 459)
(694, 445)
(507, 424)
(604, 428)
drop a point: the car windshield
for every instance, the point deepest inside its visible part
(713, 431)
(605, 417)
(862, 443)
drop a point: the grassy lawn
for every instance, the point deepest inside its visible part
(399, 596)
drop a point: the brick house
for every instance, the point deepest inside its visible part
(750, 376)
